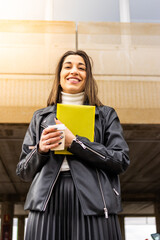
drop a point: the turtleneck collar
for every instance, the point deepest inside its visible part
(74, 99)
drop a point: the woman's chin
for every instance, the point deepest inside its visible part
(72, 90)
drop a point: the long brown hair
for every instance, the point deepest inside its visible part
(91, 88)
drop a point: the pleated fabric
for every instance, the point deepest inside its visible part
(64, 219)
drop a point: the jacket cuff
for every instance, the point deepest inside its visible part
(76, 145)
(44, 154)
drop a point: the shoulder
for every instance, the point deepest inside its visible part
(39, 111)
(39, 114)
(44, 111)
(106, 111)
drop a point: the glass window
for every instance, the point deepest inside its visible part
(61, 10)
(145, 10)
(22, 9)
(139, 228)
(86, 10)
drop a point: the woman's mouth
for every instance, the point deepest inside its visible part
(73, 80)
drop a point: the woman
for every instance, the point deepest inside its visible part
(76, 197)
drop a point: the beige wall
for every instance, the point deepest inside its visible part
(126, 60)
(126, 65)
(29, 51)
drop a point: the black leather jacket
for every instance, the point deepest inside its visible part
(94, 166)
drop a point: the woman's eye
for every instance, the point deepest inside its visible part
(83, 69)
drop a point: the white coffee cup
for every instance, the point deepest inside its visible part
(59, 127)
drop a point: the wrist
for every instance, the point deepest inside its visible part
(71, 141)
(41, 151)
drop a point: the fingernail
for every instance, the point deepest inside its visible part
(61, 132)
(60, 143)
(56, 118)
(61, 137)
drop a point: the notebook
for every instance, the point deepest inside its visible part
(79, 119)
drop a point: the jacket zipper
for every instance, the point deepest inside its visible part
(43, 125)
(31, 154)
(46, 201)
(49, 195)
(100, 185)
(117, 193)
(34, 148)
(90, 149)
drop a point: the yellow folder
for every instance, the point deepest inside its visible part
(79, 119)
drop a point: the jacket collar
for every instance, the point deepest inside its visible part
(97, 111)
(49, 109)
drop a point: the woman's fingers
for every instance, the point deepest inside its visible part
(51, 129)
(50, 138)
(53, 140)
(69, 136)
(51, 135)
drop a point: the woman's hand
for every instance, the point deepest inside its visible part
(69, 136)
(50, 138)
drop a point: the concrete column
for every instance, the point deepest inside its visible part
(157, 214)
(124, 11)
(21, 222)
(49, 10)
(7, 211)
(121, 221)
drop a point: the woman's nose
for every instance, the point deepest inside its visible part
(74, 70)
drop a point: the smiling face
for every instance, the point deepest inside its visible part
(73, 74)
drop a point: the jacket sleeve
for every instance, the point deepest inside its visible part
(110, 156)
(31, 161)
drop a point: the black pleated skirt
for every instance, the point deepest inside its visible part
(64, 219)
